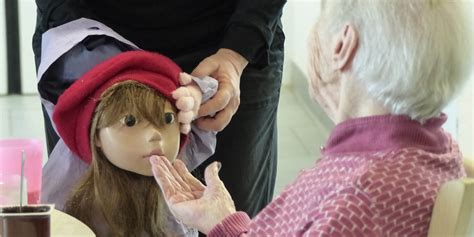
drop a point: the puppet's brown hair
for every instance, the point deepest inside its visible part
(130, 203)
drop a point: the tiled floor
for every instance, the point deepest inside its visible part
(300, 135)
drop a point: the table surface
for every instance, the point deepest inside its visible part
(63, 224)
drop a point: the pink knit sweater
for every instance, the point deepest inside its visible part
(378, 176)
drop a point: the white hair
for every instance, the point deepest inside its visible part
(413, 55)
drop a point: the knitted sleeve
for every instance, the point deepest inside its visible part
(350, 212)
(234, 225)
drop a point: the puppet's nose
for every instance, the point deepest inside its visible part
(155, 135)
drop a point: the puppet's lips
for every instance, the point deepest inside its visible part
(154, 153)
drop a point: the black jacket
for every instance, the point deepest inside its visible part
(176, 27)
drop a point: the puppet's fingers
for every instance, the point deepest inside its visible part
(184, 78)
(181, 92)
(185, 116)
(185, 103)
(185, 128)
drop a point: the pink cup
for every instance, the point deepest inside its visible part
(10, 166)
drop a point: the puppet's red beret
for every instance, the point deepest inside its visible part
(73, 113)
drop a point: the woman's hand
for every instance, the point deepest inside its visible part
(191, 202)
(188, 99)
(226, 66)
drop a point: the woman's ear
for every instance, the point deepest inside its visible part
(344, 47)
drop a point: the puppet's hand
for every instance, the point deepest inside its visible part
(188, 98)
(196, 205)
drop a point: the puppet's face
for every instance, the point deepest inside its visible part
(129, 142)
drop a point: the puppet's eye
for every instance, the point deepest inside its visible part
(129, 120)
(169, 118)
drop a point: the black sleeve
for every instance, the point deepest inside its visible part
(49, 14)
(251, 28)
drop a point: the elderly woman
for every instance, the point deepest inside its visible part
(383, 71)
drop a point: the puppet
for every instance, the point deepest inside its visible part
(114, 118)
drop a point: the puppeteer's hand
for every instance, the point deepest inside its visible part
(188, 99)
(196, 205)
(226, 66)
